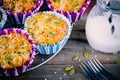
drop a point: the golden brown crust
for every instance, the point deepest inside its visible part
(15, 50)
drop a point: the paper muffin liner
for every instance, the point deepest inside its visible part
(19, 18)
(48, 49)
(72, 16)
(18, 70)
(4, 18)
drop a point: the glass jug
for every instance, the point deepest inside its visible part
(103, 26)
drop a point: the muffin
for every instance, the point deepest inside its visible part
(19, 10)
(72, 9)
(3, 18)
(50, 31)
(17, 51)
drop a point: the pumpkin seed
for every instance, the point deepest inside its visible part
(86, 54)
(72, 71)
(75, 57)
(117, 61)
(68, 68)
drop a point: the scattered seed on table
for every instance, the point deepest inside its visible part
(77, 52)
(55, 72)
(42, 59)
(64, 74)
(75, 57)
(86, 54)
(60, 78)
(79, 60)
(45, 78)
(72, 71)
(117, 61)
(95, 56)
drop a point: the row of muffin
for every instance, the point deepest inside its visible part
(46, 32)
(49, 30)
(19, 10)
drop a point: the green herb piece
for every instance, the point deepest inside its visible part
(16, 47)
(10, 63)
(72, 71)
(56, 0)
(2, 40)
(86, 54)
(8, 45)
(5, 4)
(12, 6)
(18, 52)
(51, 33)
(56, 22)
(2, 62)
(117, 61)
(8, 57)
(68, 68)
(25, 42)
(48, 20)
(6, 53)
(75, 57)
(24, 0)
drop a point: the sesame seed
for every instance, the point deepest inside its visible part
(55, 72)
(42, 59)
(60, 78)
(64, 74)
(77, 52)
(95, 56)
(71, 66)
(79, 60)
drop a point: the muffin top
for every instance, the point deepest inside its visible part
(18, 6)
(68, 5)
(47, 28)
(15, 50)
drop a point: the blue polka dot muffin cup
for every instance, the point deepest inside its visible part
(19, 18)
(21, 69)
(72, 16)
(50, 49)
(3, 18)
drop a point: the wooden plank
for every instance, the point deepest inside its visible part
(77, 48)
(78, 34)
(57, 72)
(76, 45)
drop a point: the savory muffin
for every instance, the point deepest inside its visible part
(72, 9)
(18, 6)
(19, 10)
(15, 49)
(68, 5)
(48, 29)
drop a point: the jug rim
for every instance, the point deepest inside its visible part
(108, 5)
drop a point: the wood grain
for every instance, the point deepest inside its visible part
(76, 45)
